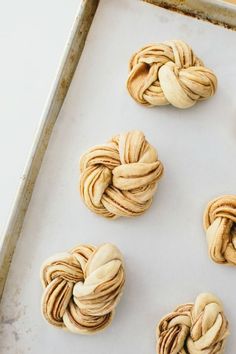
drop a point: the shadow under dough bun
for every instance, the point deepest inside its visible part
(82, 287)
(169, 73)
(199, 328)
(220, 225)
(119, 178)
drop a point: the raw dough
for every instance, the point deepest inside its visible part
(199, 328)
(120, 178)
(220, 226)
(82, 287)
(169, 73)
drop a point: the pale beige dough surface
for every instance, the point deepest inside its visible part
(169, 73)
(82, 287)
(199, 328)
(119, 178)
(220, 225)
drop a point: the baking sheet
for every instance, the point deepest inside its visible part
(218, 12)
(165, 249)
(72, 52)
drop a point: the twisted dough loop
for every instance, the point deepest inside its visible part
(220, 225)
(82, 288)
(120, 178)
(199, 328)
(169, 73)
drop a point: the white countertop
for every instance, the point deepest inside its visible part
(33, 35)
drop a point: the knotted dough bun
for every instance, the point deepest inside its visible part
(119, 178)
(220, 226)
(82, 287)
(169, 73)
(199, 328)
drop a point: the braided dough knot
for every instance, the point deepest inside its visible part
(82, 287)
(120, 178)
(199, 328)
(220, 225)
(169, 73)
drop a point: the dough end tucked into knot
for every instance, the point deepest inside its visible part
(82, 287)
(199, 328)
(120, 178)
(169, 73)
(220, 225)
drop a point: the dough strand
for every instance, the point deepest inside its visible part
(220, 225)
(199, 328)
(169, 73)
(82, 287)
(120, 178)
